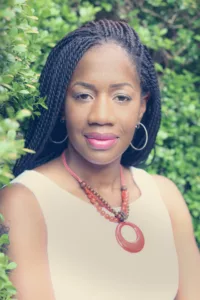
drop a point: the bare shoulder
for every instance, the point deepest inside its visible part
(17, 201)
(172, 197)
(186, 246)
(23, 216)
(56, 172)
(53, 170)
(54, 165)
(28, 242)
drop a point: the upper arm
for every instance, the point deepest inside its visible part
(28, 243)
(186, 247)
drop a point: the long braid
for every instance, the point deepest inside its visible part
(55, 78)
(56, 92)
(152, 116)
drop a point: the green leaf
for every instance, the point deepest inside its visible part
(20, 48)
(1, 218)
(25, 92)
(20, 1)
(11, 266)
(10, 57)
(4, 239)
(11, 134)
(197, 38)
(29, 150)
(43, 105)
(106, 6)
(7, 78)
(23, 114)
(33, 17)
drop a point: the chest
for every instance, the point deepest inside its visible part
(85, 253)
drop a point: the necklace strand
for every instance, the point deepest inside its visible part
(101, 203)
(119, 217)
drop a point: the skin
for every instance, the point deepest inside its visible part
(102, 109)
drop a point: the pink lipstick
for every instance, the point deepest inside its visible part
(101, 141)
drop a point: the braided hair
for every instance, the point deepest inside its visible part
(54, 81)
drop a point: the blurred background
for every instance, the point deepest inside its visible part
(170, 29)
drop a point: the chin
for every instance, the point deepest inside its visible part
(102, 162)
(98, 157)
(101, 158)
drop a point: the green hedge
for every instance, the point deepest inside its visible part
(29, 29)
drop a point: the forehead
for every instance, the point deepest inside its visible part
(107, 62)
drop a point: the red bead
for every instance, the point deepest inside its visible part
(98, 201)
(92, 200)
(124, 194)
(124, 207)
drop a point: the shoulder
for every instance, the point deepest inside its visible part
(177, 206)
(15, 191)
(172, 198)
(167, 188)
(27, 242)
(169, 192)
(19, 205)
(24, 218)
(186, 246)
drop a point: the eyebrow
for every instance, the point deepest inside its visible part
(117, 85)
(92, 87)
(85, 84)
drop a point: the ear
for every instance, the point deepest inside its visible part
(143, 106)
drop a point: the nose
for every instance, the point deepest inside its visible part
(102, 112)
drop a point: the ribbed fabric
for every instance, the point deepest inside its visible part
(85, 260)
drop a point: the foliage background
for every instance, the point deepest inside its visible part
(171, 30)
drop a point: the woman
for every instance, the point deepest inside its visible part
(85, 223)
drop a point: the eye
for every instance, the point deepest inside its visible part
(82, 97)
(122, 98)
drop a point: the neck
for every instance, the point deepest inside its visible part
(100, 177)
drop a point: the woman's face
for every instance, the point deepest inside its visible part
(103, 104)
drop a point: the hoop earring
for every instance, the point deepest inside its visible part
(58, 142)
(146, 133)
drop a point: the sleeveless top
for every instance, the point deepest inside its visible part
(85, 259)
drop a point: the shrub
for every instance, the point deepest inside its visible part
(29, 29)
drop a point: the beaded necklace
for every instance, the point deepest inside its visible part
(118, 217)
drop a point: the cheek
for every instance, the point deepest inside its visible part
(74, 116)
(128, 120)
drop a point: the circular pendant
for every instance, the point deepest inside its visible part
(132, 247)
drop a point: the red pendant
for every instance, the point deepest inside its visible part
(132, 247)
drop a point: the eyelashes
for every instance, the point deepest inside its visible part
(123, 98)
(87, 97)
(82, 97)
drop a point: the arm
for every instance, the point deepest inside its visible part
(186, 247)
(28, 240)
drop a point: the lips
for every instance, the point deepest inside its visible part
(101, 136)
(101, 141)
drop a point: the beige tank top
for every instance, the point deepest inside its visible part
(85, 260)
